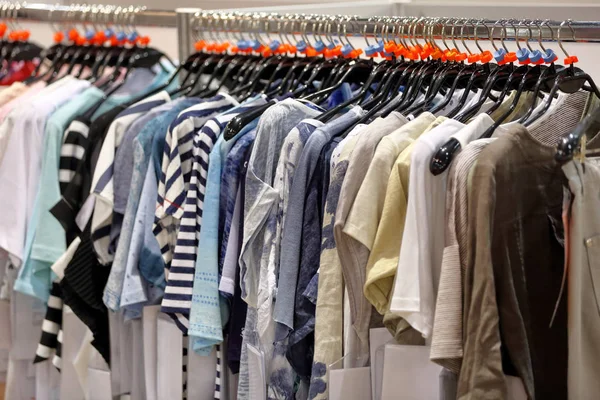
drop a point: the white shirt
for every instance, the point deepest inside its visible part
(420, 259)
(21, 166)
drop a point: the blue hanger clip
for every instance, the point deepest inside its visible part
(346, 49)
(274, 45)
(549, 56)
(301, 46)
(499, 55)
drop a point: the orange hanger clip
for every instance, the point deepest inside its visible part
(509, 57)
(571, 60)
(59, 37)
(460, 57)
(473, 58)
(73, 35)
(200, 45)
(486, 56)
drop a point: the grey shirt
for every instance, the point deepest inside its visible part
(358, 165)
(291, 241)
(124, 170)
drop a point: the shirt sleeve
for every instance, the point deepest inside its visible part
(365, 214)
(383, 260)
(481, 373)
(407, 293)
(19, 178)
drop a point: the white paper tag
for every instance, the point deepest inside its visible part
(408, 374)
(378, 338)
(350, 384)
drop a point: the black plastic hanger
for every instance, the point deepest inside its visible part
(570, 80)
(376, 73)
(247, 79)
(529, 78)
(235, 65)
(289, 77)
(497, 74)
(50, 54)
(570, 144)
(237, 123)
(359, 71)
(218, 70)
(317, 68)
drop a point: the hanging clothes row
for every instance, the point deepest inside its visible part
(245, 223)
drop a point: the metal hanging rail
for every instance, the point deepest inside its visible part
(415, 27)
(58, 13)
(196, 23)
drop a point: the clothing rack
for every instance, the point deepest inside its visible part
(88, 13)
(388, 27)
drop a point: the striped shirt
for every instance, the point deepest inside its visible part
(73, 149)
(178, 293)
(51, 329)
(102, 183)
(75, 141)
(176, 171)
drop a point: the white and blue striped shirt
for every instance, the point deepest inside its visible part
(178, 293)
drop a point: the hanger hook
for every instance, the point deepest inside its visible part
(344, 33)
(365, 30)
(426, 26)
(419, 33)
(536, 22)
(502, 23)
(411, 32)
(328, 25)
(443, 32)
(527, 24)
(452, 35)
(462, 35)
(560, 43)
(475, 35)
(516, 32)
(16, 14)
(433, 23)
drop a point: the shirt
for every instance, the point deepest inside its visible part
(329, 308)
(179, 292)
(300, 343)
(123, 172)
(142, 146)
(291, 237)
(103, 187)
(259, 221)
(420, 255)
(83, 278)
(230, 213)
(514, 210)
(75, 142)
(353, 275)
(206, 324)
(447, 335)
(21, 167)
(293, 146)
(272, 129)
(6, 127)
(47, 237)
(366, 213)
(176, 170)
